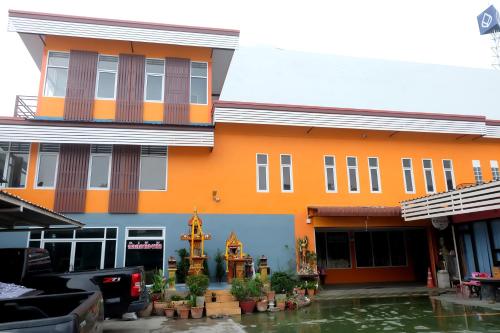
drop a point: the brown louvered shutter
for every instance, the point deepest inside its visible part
(71, 185)
(176, 105)
(130, 89)
(124, 190)
(80, 88)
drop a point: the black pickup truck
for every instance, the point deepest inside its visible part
(123, 289)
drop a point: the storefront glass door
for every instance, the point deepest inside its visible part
(60, 255)
(88, 256)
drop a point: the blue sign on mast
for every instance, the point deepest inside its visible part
(489, 21)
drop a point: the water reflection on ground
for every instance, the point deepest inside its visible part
(376, 315)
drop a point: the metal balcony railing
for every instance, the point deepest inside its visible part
(25, 107)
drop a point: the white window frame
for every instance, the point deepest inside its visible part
(477, 164)
(46, 71)
(378, 174)
(38, 167)
(411, 173)
(452, 170)
(166, 172)
(257, 172)
(89, 187)
(127, 238)
(493, 165)
(432, 176)
(162, 81)
(334, 168)
(107, 71)
(291, 174)
(357, 174)
(6, 165)
(191, 76)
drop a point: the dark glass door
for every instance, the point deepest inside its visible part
(60, 255)
(87, 256)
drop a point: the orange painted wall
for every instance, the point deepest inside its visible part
(105, 109)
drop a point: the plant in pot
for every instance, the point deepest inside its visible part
(281, 301)
(169, 310)
(311, 288)
(282, 283)
(240, 290)
(184, 308)
(158, 292)
(301, 288)
(198, 285)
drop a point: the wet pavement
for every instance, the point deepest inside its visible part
(399, 314)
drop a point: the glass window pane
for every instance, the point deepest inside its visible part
(90, 233)
(55, 82)
(87, 256)
(380, 248)
(373, 162)
(150, 257)
(363, 242)
(106, 85)
(287, 183)
(34, 244)
(109, 63)
(351, 161)
(17, 168)
(60, 59)
(407, 163)
(155, 66)
(374, 178)
(408, 180)
(99, 171)
(145, 233)
(3, 157)
(449, 180)
(35, 234)
(427, 164)
(109, 254)
(154, 87)
(286, 159)
(353, 185)
(428, 179)
(329, 160)
(46, 170)
(447, 164)
(338, 254)
(398, 249)
(330, 179)
(262, 178)
(111, 233)
(199, 69)
(198, 90)
(60, 255)
(262, 159)
(321, 248)
(58, 234)
(153, 173)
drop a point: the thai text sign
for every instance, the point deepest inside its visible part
(144, 245)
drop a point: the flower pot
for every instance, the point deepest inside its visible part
(310, 292)
(159, 307)
(200, 301)
(197, 312)
(155, 296)
(262, 306)
(271, 295)
(301, 292)
(169, 312)
(247, 306)
(183, 312)
(146, 312)
(281, 305)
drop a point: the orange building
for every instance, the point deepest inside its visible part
(137, 124)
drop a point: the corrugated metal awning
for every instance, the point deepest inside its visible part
(353, 211)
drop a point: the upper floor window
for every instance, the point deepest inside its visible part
(352, 174)
(199, 79)
(330, 174)
(14, 158)
(478, 174)
(262, 173)
(155, 73)
(153, 174)
(494, 170)
(286, 173)
(374, 175)
(408, 175)
(449, 177)
(107, 68)
(48, 155)
(100, 166)
(429, 176)
(56, 76)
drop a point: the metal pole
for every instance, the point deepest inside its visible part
(456, 253)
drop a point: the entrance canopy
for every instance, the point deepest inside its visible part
(326, 211)
(18, 214)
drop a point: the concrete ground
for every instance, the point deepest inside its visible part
(453, 297)
(377, 291)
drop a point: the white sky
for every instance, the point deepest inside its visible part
(428, 31)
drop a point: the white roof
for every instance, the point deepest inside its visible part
(276, 76)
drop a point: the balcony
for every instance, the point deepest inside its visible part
(25, 107)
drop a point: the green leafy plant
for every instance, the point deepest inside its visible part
(239, 289)
(220, 270)
(205, 268)
(176, 298)
(282, 282)
(254, 287)
(197, 284)
(159, 283)
(311, 284)
(182, 265)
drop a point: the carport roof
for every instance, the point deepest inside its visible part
(17, 214)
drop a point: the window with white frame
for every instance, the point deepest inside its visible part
(14, 157)
(48, 156)
(107, 69)
(262, 173)
(153, 175)
(199, 80)
(56, 76)
(352, 174)
(449, 176)
(330, 174)
(155, 74)
(495, 173)
(286, 173)
(408, 175)
(100, 166)
(374, 170)
(429, 176)
(478, 173)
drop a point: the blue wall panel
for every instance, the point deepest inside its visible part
(13, 239)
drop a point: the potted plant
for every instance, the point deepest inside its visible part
(158, 292)
(198, 285)
(262, 304)
(301, 288)
(196, 311)
(281, 301)
(240, 290)
(311, 288)
(169, 310)
(183, 311)
(282, 283)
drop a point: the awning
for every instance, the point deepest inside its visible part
(353, 211)
(18, 214)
